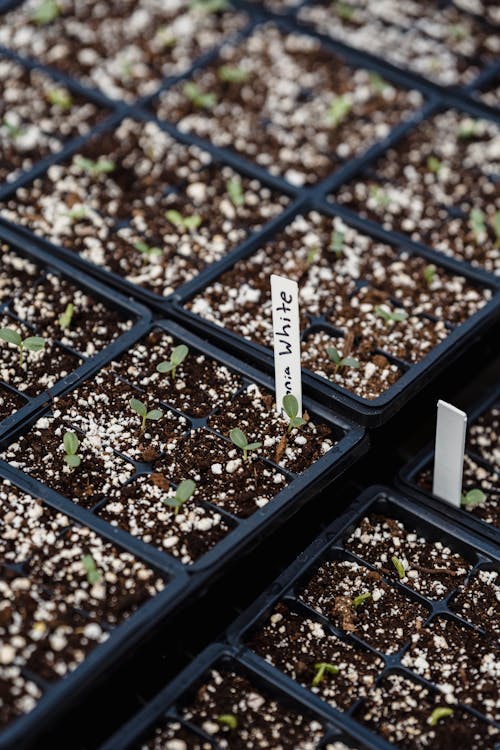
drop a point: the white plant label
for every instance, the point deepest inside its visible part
(286, 331)
(449, 453)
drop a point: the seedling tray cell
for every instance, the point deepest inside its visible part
(35, 291)
(302, 622)
(481, 471)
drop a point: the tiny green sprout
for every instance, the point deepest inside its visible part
(388, 316)
(95, 168)
(338, 110)
(93, 573)
(339, 361)
(144, 414)
(183, 222)
(458, 32)
(46, 12)
(77, 213)
(198, 98)
(146, 250)
(439, 713)
(378, 83)
(232, 74)
(210, 6)
(322, 668)
(60, 98)
(467, 129)
(336, 243)
(344, 11)
(430, 274)
(71, 444)
(379, 196)
(235, 191)
(291, 409)
(433, 164)
(67, 316)
(358, 600)
(177, 357)
(312, 254)
(166, 38)
(400, 568)
(30, 344)
(496, 227)
(240, 440)
(13, 131)
(182, 494)
(472, 497)
(228, 720)
(477, 224)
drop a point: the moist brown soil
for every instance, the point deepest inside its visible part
(483, 438)
(9, 402)
(477, 601)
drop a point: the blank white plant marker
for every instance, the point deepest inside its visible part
(449, 453)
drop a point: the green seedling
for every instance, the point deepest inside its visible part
(77, 213)
(146, 250)
(183, 222)
(338, 111)
(467, 129)
(209, 6)
(200, 99)
(400, 568)
(93, 573)
(126, 69)
(67, 316)
(458, 32)
(240, 440)
(477, 224)
(336, 243)
(339, 361)
(322, 668)
(291, 409)
(228, 720)
(358, 600)
(29, 344)
(71, 445)
(377, 83)
(433, 164)
(439, 713)
(391, 317)
(46, 12)
(144, 414)
(471, 498)
(95, 168)
(60, 98)
(166, 38)
(235, 191)
(177, 357)
(312, 255)
(430, 274)
(182, 494)
(344, 11)
(379, 196)
(13, 131)
(232, 74)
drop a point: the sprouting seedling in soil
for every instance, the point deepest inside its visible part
(232, 74)
(336, 243)
(430, 274)
(67, 316)
(291, 409)
(166, 38)
(338, 111)
(400, 568)
(77, 213)
(235, 191)
(322, 668)
(228, 720)
(146, 250)
(339, 361)
(377, 83)
(144, 414)
(312, 254)
(210, 6)
(177, 357)
(60, 98)
(344, 11)
(458, 32)
(30, 344)
(477, 224)
(183, 222)
(46, 12)
(358, 600)
(95, 168)
(391, 317)
(472, 497)
(71, 445)
(467, 129)
(92, 572)
(13, 131)
(433, 164)
(379, 196)
(199, 98)
(240, 440)
(439, 713)
(182, 494)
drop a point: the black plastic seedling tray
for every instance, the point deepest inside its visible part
(130, 309)
(186, 580)
(407, 478)
(482, 555)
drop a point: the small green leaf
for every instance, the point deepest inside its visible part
(179, 354)
(185, 490)
(336, 243)
(350, 362)
(379, 196)
(433, 164)
(395, 317)
(430, 273)
(94, 168)
(71, 443)
(196, 96)
(154, 414)
(73, 461)
(209, 6)
(174, 217)
(192, 222)
(360, 599)
(400, 568)
(477, 223)
(467, 129)
(60, 98)
(344, 11)
(321, 669)
(165, 367)
(228, 720)
(377, 83)
(67, 316)
(232, 74)
(90, 567)
(46, 12)
(253, 446)
(290, 405)
(338, 110)
(138, 407)
(333, 355)
(439, 713)
(239, 438)
(11, 336)
(473, 497)
(34, 343)
(235, 191)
